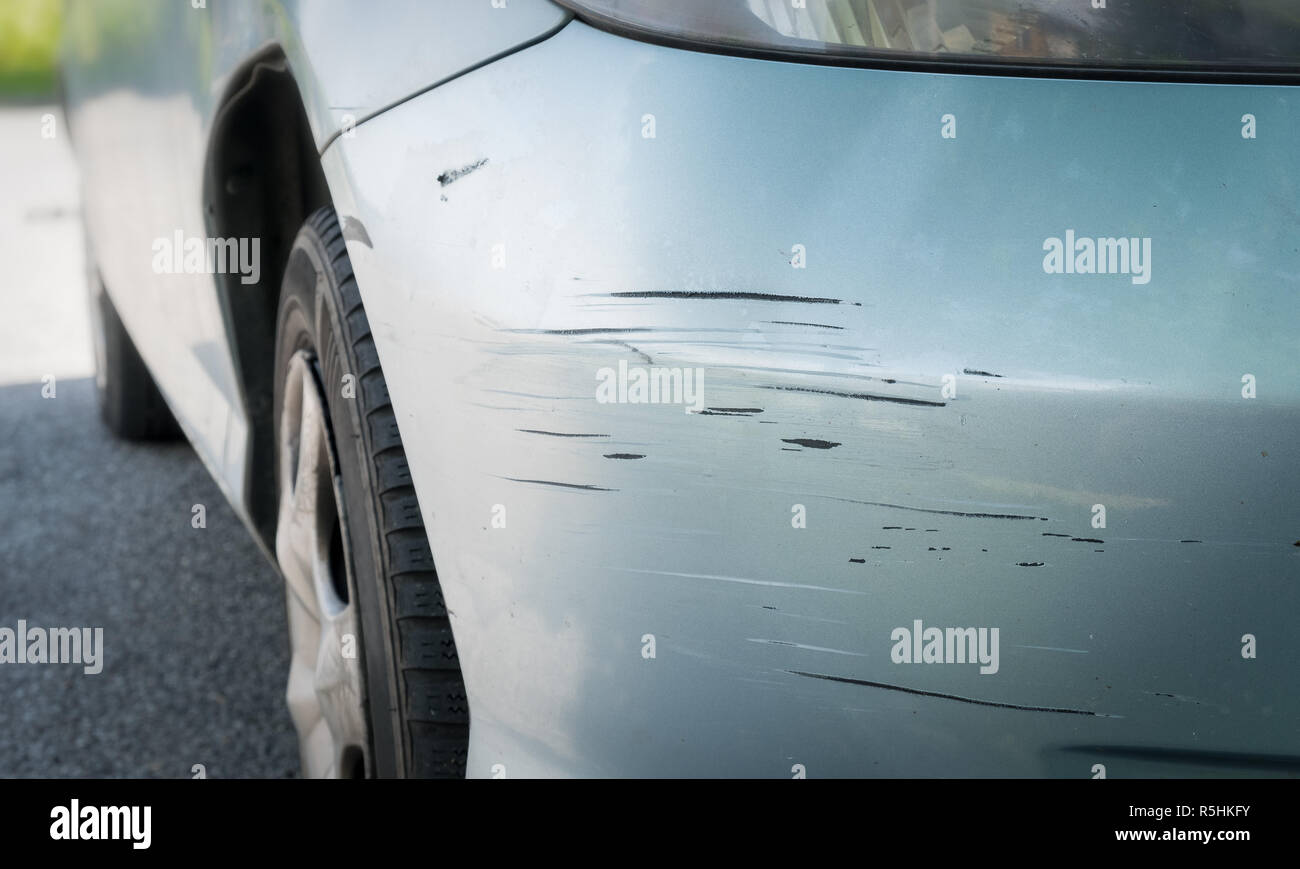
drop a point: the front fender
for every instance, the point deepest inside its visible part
(920, 423)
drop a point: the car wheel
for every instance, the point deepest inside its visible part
(129, 400)
(374, 684)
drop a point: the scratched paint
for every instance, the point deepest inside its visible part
(1066, 395)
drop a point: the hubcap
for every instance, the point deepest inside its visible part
(325, 689)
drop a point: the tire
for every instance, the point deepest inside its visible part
(129, 401)
(408, 679)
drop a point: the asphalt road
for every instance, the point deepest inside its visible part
(96, 533)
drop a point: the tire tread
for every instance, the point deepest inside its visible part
(433, 699)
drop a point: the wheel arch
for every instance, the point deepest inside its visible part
(262, 178)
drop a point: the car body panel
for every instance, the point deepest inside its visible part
(494, 296)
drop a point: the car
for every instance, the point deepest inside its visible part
(778, 388)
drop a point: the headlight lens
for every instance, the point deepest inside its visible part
(1250, 35)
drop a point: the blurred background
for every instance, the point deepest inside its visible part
(95, 532)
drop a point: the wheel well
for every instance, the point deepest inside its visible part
(262, 178)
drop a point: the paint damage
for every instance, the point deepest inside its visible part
(451, 176)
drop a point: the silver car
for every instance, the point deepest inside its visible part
(769, 388)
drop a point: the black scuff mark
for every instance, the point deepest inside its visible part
(797, 323)
(880, 547)
(1086, 540)
(451, 176)
(942, 696)
(559, 434)
(975, 372)
(790, 450)
(592, 331)
(621, 330)
(861, 396)
(1180, 541)
(891, 527)
(736, 409)
(727, 296)
(1054, 534)
(1179, 697)
(811, 443)
(857, 561)
(581, 486)
(939, 512)
(1029, 564)
(624, 455)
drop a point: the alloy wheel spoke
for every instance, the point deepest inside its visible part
(325, 683)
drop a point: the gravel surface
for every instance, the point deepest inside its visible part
(97, 533)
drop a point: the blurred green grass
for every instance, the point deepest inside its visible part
(29, 47)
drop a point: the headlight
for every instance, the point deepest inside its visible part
(1230, 36)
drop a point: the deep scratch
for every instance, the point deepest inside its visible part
(737, 296)
(940, 512)
(582, 486)
(559, 434)
(942, 696)
(861, 396)
(797, 323)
